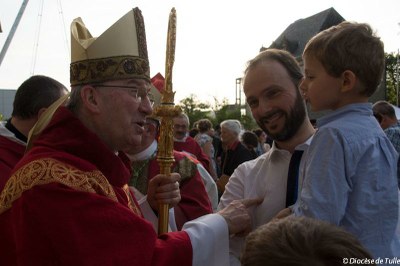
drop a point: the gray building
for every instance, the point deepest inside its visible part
(6, 102)
(294, 38)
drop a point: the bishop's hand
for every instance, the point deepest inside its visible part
(164, 189)
(237, 216)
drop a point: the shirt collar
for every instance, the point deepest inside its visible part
(16, 132)
(302, 146)
(365, 108)
(5, 132)
(145, 154)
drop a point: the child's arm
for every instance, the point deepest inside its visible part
(325, 189)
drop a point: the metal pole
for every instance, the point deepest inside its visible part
(13, 30)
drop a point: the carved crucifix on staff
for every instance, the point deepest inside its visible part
(167, 111)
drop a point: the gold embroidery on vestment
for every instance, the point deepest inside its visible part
(45, 171)
(186, 168)
(131, 202)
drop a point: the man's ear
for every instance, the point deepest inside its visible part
(41, 111)
(349, 80)
(90, 98)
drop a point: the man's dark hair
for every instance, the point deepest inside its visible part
(258, 132)
(383, 108)
(250, 139)
(193, 132)
(35, 93)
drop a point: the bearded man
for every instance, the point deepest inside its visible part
(271, 86)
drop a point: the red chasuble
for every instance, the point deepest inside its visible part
(67, 203)
(194, 199)
(11, 153)
(192, 147)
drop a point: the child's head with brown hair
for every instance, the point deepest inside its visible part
(350, 52)
(298, 241)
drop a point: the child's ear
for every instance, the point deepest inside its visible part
(349, 80)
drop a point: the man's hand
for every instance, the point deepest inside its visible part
(221, 183)
(283, 213)
(163, 189)
(237, 216)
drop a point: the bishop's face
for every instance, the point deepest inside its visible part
(274, 100)
(123, 105)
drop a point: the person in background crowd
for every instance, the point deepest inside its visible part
(262, 146)
(206, 143)
(234, 154)
(194, 198)
(250, 141)
(386, 116)
(183, 142)
(193, 132)
(217, 143)
(32, 98)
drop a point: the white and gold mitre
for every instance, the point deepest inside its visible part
(119, 53)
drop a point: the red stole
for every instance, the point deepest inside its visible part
(192, 147)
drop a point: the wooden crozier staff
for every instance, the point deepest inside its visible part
(167, 111)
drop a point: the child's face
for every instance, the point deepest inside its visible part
(319, 88)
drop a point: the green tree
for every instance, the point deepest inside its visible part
(248, 122)
(392, 77)
(1, 117)
(194, 109)
(221, 111)
(224, 111)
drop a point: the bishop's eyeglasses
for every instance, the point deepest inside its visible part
(137, 93)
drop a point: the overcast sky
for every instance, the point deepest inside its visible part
(215, 38)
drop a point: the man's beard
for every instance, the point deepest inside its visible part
(180, 135)
(293, 121)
